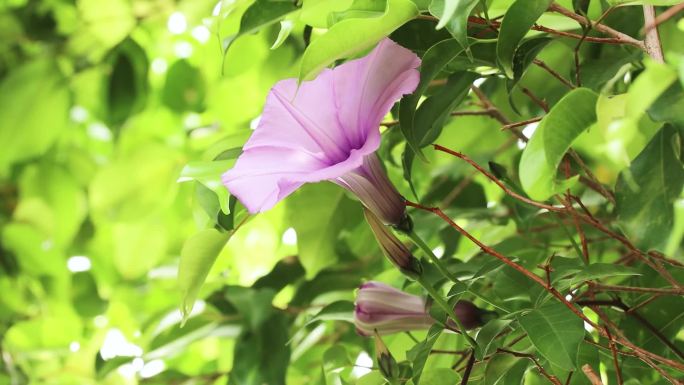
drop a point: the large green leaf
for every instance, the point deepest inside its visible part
(486, 337)
(453, 14)
(646, 191)
(319, 213)
(572, 115)
(518, 20)
(351, 36)
(434, 60)
(435, 110)
(197, 257)
(35, 105)
(419, 353)
(556, 332)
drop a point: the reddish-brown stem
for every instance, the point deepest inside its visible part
(553, 73)
(645, 355)
(613, 350)
(485, 112)
(619, 37)
(542, 104)
(521, 123)
(637, 289)
(495, 26)
(553, 379)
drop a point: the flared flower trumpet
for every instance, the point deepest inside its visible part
(328, 129)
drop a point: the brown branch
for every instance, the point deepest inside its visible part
(494, 25)
(631, 311)
(591, 375)
(485, 112)
(553, 73)
(619, 37)
(637, 289)
(521, 123)
(652, 38)
(468, 368)
(541, 103)
(663, 17)
(496, 114)
(644, 355)
(613, 350)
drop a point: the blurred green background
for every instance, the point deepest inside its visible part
(117, 118)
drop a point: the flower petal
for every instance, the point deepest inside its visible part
(264, 175)
(366, 88)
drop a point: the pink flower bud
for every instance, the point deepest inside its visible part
(388, 310)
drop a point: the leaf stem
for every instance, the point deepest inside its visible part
(444, 304)
(418, 241)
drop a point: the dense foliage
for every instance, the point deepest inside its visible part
(540, 156)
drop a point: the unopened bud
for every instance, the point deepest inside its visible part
(393, 248)
(387, 364)
(383, 309)
(468, 314)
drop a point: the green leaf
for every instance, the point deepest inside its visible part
(261, 356)
(518, 20)
(524, 56)
(336, 311)
(184, 88)
(35, 105)
(435, 110)
(126, 88)
(439, 376)
(486, 337)
(669, 106)
(603, 270)
(642, 2)
(556, 332)
(572, 115)
(648, 87)
(319, 212)
(646, 191)
(197, 256)
(351, 36)
(420, 352)
(101, 26)
(316, 12)
(498, 366)
(263, 13)
(453, 14)
(434, 60)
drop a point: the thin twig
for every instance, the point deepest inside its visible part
(553, 73)
(521, 123)
(638, 289)
(644, 355)
(468, 368)
(541, 103)
(617, 35)
(553, 379)
(613, 350)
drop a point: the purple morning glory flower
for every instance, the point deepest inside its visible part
(388, 310)
(327, 129)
